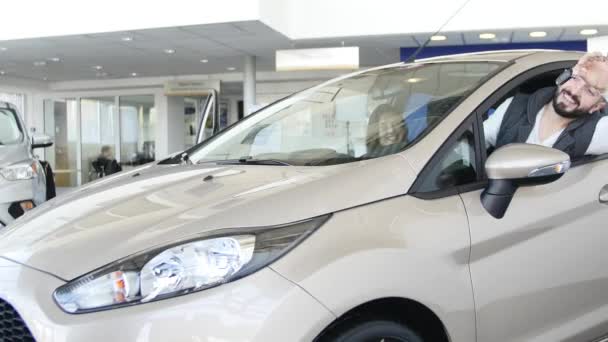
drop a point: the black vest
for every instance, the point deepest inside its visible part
(520, 117)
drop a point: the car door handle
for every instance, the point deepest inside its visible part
(604, 194)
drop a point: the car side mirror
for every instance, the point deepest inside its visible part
(515, 165)
(41, 141)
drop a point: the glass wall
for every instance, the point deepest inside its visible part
(137, 127)
(61, 123)
(98, 130)
(123, 127)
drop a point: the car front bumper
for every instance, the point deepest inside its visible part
(261, 307)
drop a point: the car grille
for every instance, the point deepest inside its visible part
(12, 327)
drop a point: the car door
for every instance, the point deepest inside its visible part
(540, 273)
(209, 123)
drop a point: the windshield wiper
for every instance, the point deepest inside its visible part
(247, 161)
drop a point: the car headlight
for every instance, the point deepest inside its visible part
(19, 171)
(183, 267)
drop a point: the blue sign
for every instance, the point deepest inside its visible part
(434, 51)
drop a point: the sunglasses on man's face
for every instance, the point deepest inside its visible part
(568, 74)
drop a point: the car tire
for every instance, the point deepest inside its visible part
(371, 330)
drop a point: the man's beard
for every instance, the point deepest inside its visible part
(572, 114)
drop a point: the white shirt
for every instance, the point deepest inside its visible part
(598, 145)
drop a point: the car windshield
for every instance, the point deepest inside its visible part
(10, 130)
(363, 116)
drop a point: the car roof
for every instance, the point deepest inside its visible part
(504, 55)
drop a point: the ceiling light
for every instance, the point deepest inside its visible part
(45, 78)
(231, 68)
(39, 63)
(438, 38)
(169, 51)
(98, 67)
(588, 32)
(538, 34)
(487, 36)
(2, 48)
(204, 60)
(134, 74)
(126, 39)
(2, 72)
(55, 59)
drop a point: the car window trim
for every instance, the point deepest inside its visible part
(477, 122)
(469, 122)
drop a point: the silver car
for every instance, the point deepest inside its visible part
(364, 209)
(23, 182)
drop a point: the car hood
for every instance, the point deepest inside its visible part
(155, 205)
(10, 154)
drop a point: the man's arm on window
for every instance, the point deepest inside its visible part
(599, 141)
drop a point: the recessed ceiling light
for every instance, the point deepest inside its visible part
(538, 34)
(126, 39)
(414, 80)
(98, 67)
(39, 63)
(204, 60)
(588, 32)
(231, 68)
(2, 48)
(169, 51)
(487, 36)
(438, 38)
(2, 72)
(45, 78)
(133, 74)
(55, 59)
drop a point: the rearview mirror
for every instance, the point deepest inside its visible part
(515, 165)
(41, 140)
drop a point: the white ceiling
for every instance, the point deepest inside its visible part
(223, 45)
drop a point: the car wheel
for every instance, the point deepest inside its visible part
(375, 330)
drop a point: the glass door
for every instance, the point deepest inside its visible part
(61, 123)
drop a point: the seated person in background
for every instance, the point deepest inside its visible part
(105, 164)
(567, 117)
(386, 132)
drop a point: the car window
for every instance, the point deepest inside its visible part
(456, 167)
(10, 130)
(494, 114)
(363, 116)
